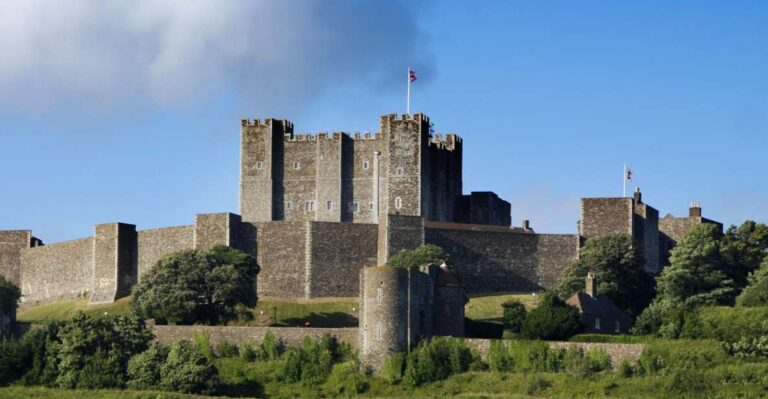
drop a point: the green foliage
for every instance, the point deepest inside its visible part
(313, 361)
(625, 369)
(552, 320)
(499, 358)
(44, 346)
(94, 352)
(9, 296)
(144, 368)
(422, 255)
(202, 342)
(227, 349)
(270, 347)
(187, 370)
(619, 269)
(743, 250)
(748, 348)
(195, 287)
(726, 324)
(346, 381)
(756, 293)
(15, 358)
(514, 315)
(394, 368)
(437, 359)
(249, 352)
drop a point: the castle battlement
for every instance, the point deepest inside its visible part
(266, 122)
(356, 136)
(416, 117)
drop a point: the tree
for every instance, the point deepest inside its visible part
(743, 249)
(514, 315)
(420, 256)
(619, 269)
(192, 286)
(756, 293)
(552, 319)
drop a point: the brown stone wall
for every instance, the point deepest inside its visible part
(647, 233)
(406, 139)
(606, 215)
(338, 252)
(329, 177)
(114, 260)
(554, 252)
(617, 352)
(261, 168)
(57, 272)
(288, 336)
(281, 250)
(154, 244)
(396, 233)
(216, 229)
(360, 179)
(12, 242)
(299, 179)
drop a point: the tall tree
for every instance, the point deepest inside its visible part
(619, 269)
(743, 249)
(756, 293)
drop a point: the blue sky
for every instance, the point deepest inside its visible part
(111, 112)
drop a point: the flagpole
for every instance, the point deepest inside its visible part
(624, 180)
(408, 91)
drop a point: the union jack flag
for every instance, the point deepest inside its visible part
(412, 75)
(629, 174)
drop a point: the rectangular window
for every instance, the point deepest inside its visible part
(297, 165)
(309, 206)
(618, 327)
(370, 205)
(289, 205)
(259, 165)
(597, 323)
(354, 207)
(328, 205)
(365, 165)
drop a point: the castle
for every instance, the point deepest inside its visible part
(315, 210)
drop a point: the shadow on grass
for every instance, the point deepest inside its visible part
(482, 329)
(324, 320)
(245, 388)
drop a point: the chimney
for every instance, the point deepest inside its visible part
(638, 195)
(695, 210)
(526, 225)
(589, 287)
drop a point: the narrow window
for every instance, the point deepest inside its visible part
(379, 295)
(309, 206)
(398, 203)
(370, 205)
(289, 205)
(259, 165)
(328, 205)
(618, 327)
(365, 165)
(379, 332)
(297, 165)
(354, 207)
(597, 323)
(399, 172)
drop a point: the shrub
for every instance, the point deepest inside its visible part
(9, 296)
(227, 349)
(598, 359)
(538, 385)
(748, 348)
(394, 367)
(346, 381)
(625, 369)
(514, 315)
(203, 344)
(197, 287)
(551, 320)
(249, 352)
(498, 357)
(313, 361)
(727, 324)
(437, 359)
(187, 370)
(144, 368)
(15, 359)
(270, 347)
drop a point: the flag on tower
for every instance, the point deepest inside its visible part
(411, 75)
(629, 174)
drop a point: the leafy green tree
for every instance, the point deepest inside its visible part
(144, 368)
(743, 250)
(551, 319)
(187, 370)
(514, 315)
(192, 287)
(9, 296)
(94, 351)
(756, 293)
(421, 255)
(619, 269)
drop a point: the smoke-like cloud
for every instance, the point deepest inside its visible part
(274, 54)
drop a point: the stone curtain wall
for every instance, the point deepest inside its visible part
(337, 253)
(487, 261)
(617, 352)
(57, 272)
(606, 215)
(554, 253)
(288, 336)
(154, 244)
(214, 229)
(281, 249)
(11, 245)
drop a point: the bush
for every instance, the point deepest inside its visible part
(144, 368)
(190, 287)
(187, 370)
(249, 352)
(499, 358)
(313, 361)
(514, 315)
(551, 320)
(625, 369)
(15, 359)
(9, 296)
(756, 293)
(748, 348)
(437, 359)
(727, 324)
(346, 381)
(270, 347)
(422, 255)
(394, 367)
(227, 349)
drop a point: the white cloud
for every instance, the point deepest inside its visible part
(274, 54)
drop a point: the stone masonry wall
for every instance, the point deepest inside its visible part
(154, 244)
(617, 352)
(338, 252)
(214, 229)
(488, 261)
(281, 249)
(606, 215)
(11, 244)
(554, 253)
(288, 336)
(114, 260)
(57, 272)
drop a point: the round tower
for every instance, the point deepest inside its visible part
(383, 302)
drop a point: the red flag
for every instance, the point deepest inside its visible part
(412, 75)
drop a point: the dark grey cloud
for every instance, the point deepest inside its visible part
(270, 54)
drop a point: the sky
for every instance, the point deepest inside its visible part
(130, 111)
